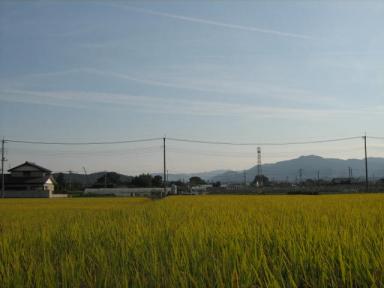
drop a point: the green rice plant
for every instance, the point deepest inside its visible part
(193, 241)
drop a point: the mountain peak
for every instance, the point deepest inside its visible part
(310, 167)
(311, 157)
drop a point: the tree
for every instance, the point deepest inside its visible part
(109, 179)
(195, 180)
(76, 186)
(157, 181)
(217, 184)
(143, 180)
(60, 182)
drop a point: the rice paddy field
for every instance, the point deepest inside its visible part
(193, 241)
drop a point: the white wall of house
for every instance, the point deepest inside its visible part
(49, 186)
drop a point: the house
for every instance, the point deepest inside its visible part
(31, 181)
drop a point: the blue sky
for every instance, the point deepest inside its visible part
(228, 71)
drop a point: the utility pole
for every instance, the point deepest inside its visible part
(2, 167)
(350, 175)
(245, 178)
(366, 162)
(86, 177)
(301, 175)
(105, 179)
(70, 180)
(164, 171)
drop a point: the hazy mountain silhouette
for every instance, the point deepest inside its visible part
(289, 169)
(90, 179)
(327, 167)
(185, 176)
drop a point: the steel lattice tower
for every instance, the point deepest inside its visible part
(259, 171)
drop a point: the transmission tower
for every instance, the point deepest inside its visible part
(259, 171)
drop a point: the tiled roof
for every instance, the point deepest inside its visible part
(31, 164)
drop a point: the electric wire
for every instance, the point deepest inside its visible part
(263, 143)
(190, 141)
(375, 137)
(83, 143)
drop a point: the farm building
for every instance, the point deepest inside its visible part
(128, 192)
(200, 189)
(29, 180)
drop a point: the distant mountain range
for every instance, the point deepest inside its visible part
(90, 179)
(207, 176)
(310, 166)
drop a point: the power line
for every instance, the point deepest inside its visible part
(215, 153)
(83, 143)
(189, 141)
(263, 144)
(2, 167)
(84, 149)
(96, 153)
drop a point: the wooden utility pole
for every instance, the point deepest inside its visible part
(366, 163)
(86, 177)
(2, 167)
(70, 179)
(164, 171)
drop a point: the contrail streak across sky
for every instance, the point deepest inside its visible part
(221, 24)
